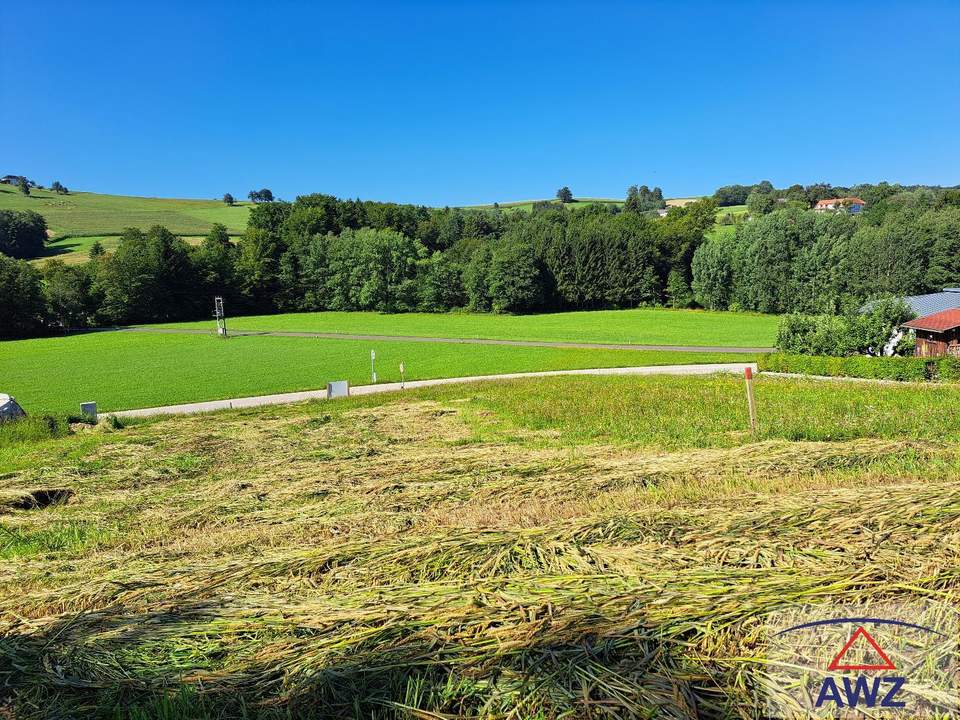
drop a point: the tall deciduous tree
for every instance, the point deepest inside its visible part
(23, 233)
(149, 277)
(21, 299)
(70, 293)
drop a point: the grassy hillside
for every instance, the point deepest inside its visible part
(641, 326)
(492, 551)
(111, 367)
(81, 213)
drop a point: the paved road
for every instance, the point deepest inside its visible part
(468, 341)
(248, 402)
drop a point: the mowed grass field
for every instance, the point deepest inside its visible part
(93, 214)
(122, 370)
(575, 548)
(641, 326)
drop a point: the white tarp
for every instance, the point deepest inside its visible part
(9, 409)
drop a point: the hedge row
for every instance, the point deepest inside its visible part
(862, 366)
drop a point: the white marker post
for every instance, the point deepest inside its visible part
(373, 369)
(401, 374)
(751, 401)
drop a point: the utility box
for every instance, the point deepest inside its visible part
(89, 409)
(338, 389)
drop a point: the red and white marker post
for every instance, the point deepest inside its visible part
(751, 401)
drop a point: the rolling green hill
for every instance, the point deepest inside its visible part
(92, 215)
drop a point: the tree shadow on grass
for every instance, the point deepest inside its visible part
(59, 247)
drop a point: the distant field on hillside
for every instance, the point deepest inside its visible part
(527, 205)
(81, 213)
(76, 249)
(732, 210)
(122, 370)
(643, 326)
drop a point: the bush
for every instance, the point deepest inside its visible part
(946, 369)
(842, 335)
(32, 429)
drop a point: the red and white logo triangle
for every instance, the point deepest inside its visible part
(838, 664)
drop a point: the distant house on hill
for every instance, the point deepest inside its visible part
(15, 180)
(937, 334)
(852, 205)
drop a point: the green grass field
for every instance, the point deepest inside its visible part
(81, 213)
(128, 370)
(642, 326)
(732, 210)
(721, 231)
(537, 549)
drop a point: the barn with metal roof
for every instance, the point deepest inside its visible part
(922, 305)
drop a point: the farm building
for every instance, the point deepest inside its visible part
(937, 334)
(852, 205)
(15, 180)
(931, 303)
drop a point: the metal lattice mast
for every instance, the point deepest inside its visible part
(221, 317)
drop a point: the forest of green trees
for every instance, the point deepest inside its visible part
(322, 253)
(796, 260)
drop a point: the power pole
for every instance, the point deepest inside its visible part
(221, 317)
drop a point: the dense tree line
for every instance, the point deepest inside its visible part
(322, 253)
(795, 260)
(763, 197)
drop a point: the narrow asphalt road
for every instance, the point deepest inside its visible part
(259, 400)
(467, 341)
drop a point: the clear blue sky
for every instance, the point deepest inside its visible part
(456, 102)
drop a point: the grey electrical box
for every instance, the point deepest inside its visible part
(89, 409)
(338, 388)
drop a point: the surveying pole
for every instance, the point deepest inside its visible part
(751, 401)
(221, 317)
(373, 368)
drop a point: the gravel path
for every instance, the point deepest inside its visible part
(257, 401)
(466, 341)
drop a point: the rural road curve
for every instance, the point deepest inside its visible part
(259, 400)
(468, 341)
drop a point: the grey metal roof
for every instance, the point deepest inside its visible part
(922, 305)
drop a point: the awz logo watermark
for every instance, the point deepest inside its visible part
(896, 660)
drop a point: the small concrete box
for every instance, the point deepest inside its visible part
(89, 409)
(337, 389)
